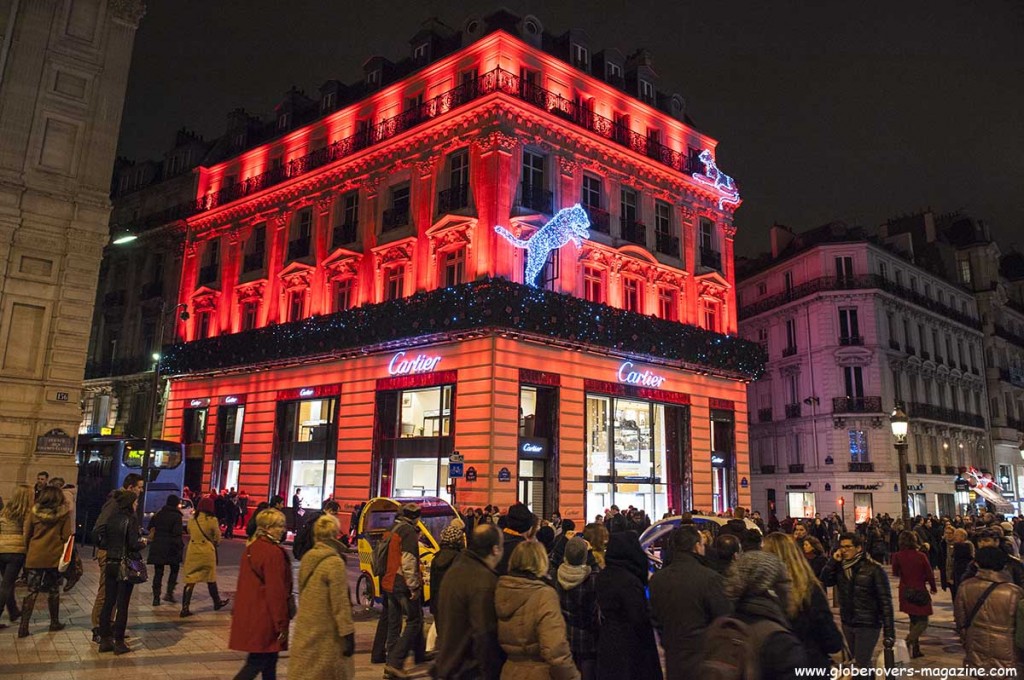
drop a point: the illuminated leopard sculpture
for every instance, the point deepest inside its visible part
(568, 224)
(716, 179)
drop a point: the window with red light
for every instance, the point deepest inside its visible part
(632, 300)
(458, 169)
(668, 304)
(296, 304)
(663, 218)
(591, 192)
(204, 324)
(710, 313)
(593, 284)
(344, 294)
(250, 310)
(394, 283)
(454, 267)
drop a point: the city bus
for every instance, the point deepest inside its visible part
(104, 462)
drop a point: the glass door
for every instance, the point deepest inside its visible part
(195, 447)
(227, 449)
(305, 452)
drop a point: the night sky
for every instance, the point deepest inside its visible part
(824, 110)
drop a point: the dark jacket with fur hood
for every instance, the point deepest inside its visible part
(46, 531)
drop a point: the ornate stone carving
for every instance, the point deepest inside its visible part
(250, 292)
(496, 141)
(395, 254)
(324, 203)
(342, 268)
(729, 229)
(296, 278)
(424, 168)
(234, 236)
(568, 166)
(373, 184)
(450, 237)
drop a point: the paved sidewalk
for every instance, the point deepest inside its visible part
(166, 646)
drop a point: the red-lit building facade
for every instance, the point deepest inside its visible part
(355, 318)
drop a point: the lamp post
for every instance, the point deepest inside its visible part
(154, 397)
(899, 422)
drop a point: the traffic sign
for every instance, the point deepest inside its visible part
(455, 470)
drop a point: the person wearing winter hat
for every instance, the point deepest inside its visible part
(576, 584)
(403, 583)
(986, 611)
(546, 537)
(758, 583)
(453, 540)
(519, 523)
(1009, 543)
(558, 549)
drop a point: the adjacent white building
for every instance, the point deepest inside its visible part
(851, 327)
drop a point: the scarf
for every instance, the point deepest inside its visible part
(848, 565)
(570, 576)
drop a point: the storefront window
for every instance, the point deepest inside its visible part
(801, 504)
(862, 507)
(628, 447)
(195, 446)
(413, 441)
(538, 413)
(228, 447)
(946, 503)
(306, 450)
(723, 460)
(918, 504)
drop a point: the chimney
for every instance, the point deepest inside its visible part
(781, 236)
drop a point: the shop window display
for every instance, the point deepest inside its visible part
(414, 440)
(305, 457)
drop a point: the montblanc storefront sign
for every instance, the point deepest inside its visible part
(629, 375)
(862, 487)
(400, 364)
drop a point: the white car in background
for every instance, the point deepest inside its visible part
(187, 510)
(651, 538)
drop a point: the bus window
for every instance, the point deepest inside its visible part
(163, 458)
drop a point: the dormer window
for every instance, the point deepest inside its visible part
(283, 121)
(580, 56)
(239, 140)
(329, 101)
(373, 77)
(647, 91)
(419, 53)
(614, 71)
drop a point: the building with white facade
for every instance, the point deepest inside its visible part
(852, 327)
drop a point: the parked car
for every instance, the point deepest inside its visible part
(651, 539)
(187, 510)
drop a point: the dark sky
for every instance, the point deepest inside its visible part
(824, 110)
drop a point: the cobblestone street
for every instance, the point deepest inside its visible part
(166, 646)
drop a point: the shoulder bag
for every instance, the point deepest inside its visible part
(977, 605)
(133, 568)
(216, 553)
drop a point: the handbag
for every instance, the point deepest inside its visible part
(132, 568)
(66, 555)
(897, 656)
(918, 597)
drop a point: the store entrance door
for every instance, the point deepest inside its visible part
(195, 447)
(532, 485)
(719, 489)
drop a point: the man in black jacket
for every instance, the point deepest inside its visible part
(686, 596)
(467, 625)
(865, 602)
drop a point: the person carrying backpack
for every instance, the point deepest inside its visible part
(756, 641)
(303, 541)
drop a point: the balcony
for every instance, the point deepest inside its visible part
(894, 344)
(394, 218)
(796, 468)
(634, 232)
(208, 274)
(851, 340)
(121, 366)
(344, 234)
(253, 262)
(862, 467)
(911, 350)
(1008, 335)
(712, 259)
(857, 405)
(866, 282)
(151, 290)
(936, 469)
(764, 415)
(1014, 376)
(535, 198)
(298, 248)
(944, 415)
(767, 469)
(452, 199)
(1015, 424)
(926, 355)
(666, 244)
(949, 470)
(939, 360)
(599, 219)
(793, 410)
(789, 351)
(921, 469)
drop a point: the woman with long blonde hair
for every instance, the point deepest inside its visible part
(805, 603)
(12, 548)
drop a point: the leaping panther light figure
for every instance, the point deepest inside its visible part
(718, 180)
(568, 224)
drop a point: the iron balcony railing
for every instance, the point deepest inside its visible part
(634, 232)
(767, 469)
(789, 351)
(793, 410)
(122, 366)
(344, 234)
(1006, 334)
(253, 261)
(536, 198)
(862, 467)
(857, 405)
(393, 219)
(495, 81)
(796, 468)
(911, 350)
(711, 258)
(208, 274)
(764, 415)
(926, 355)
(867, 281)
(599, 219)
(667, 244)
(298, 248)
(945, 415)
(453, 198)
(848, 340)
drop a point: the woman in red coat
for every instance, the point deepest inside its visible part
(914, 570)
(259, 621)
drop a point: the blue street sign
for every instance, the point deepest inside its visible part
(504, 475)
(455, 470)
(471, 474)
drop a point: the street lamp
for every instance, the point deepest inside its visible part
(154, 397)
(123, 237)
(899, 422)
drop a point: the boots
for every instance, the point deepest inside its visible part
(169, 593)
(186, 599)
(106, 645)
(121, 648)
(916, 653)
(215, 596)
(156, 593)
(26, 614)
(54, 604)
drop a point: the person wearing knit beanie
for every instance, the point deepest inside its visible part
(454, 535)
(755, 573)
